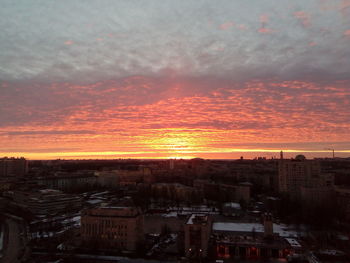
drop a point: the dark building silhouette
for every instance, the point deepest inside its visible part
(13, 167)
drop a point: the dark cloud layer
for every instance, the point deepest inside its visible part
(121, 75)
(90, 41)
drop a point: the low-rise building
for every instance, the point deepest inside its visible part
(175, 191)
(107, 179)
(44, 201)
(231, 209)
(213, 190)
(253, 240)
(130, 177)
(114, 227)
(66, 181)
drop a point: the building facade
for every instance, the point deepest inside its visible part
(253, 240)
(300, 178)
(67, 181)
(232, 192)
(342, 197)
(13, 167)
(44, 201)
(113, 227)
(197, 233)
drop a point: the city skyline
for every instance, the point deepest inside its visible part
(166, 79)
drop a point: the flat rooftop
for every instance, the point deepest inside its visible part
(281, 230)
(113, 211)
(197, 219)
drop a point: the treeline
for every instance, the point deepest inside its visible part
(320, 216)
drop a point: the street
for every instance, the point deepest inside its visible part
(14, 240)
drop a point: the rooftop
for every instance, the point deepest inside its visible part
(197, 219)
(113, 211)
(281, 230)
(232, 205)
(293, 242)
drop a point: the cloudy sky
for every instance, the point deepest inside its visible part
(165, 78)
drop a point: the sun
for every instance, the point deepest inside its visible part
(176, 144)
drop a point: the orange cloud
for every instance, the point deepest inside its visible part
(104, 122)
(264, 19)
(226, 25)
(312, 44)
(303, 17)
(265, 30)
(345, 7)
(242, 27)
(69, 42)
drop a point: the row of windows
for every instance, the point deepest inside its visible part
(114, 236)
(93, 229)
(112, 223)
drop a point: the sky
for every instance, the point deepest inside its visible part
(174, 79)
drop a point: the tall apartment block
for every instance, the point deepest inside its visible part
(13, 167)
(302, 178)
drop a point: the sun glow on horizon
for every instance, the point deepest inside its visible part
(220, 154)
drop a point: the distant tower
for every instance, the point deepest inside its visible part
(171, 164)
(281, 155)
(268, 225)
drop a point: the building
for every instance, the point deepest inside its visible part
(7, 183)
(67, 181)
(299, 177)
(253, 240)
(115, 227)
(236, 192)
(148, 177)
(13, 167)
(231, 209)
(175, 191)
(130, 177)
(342, 197)
(212, 190)
(197, 232)
(44, 201)
(317, 195)
(107, 179)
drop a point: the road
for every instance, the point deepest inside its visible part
(14, 241)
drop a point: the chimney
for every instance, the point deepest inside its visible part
(281, 155)
(268, 225)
